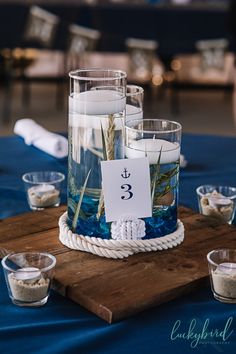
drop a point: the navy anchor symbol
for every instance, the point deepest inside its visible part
(125, 174)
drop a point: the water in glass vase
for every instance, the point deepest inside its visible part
(96, 118)
(165, 200)
(133, 113)
(164, 178)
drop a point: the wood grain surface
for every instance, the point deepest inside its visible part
(116, 289)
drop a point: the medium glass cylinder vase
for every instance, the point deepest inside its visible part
(159, 140)
(134, 102)
(96, 122)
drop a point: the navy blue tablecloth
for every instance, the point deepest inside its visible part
(194, 323)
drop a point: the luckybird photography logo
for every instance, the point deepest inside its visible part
(198, 332)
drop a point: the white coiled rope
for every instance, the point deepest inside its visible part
(128, 228)
(117, 249)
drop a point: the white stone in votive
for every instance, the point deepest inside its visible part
(42, 189)
(227, 268)
(97, 102)
(27, 274)
(170, 152)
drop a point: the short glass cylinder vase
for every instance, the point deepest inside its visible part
(160, 141)
(43, 189)
(217, 201)
(28, 277)
(222, 270)
(97, 103)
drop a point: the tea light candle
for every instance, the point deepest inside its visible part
(42, 189)
(43, 195)
(227, 268)
(219, 201)
(224, 280)
(170, 152)
(28, 284)
(27, 274)
(217, 205)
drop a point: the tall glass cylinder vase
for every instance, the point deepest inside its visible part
(96, 120)
(159, 140)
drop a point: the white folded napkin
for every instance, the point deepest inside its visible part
(33, 134)
(183, 162)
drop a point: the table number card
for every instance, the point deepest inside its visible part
(126, 188)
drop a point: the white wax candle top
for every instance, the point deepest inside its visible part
(97, 102)
(227, 268)
(170, 152)
(41, 189)
(27, 273)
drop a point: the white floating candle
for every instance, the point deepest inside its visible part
(27, 274)
(90, 109)
(97, 102)
(170, 152)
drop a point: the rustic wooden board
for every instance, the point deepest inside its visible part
(115, 289)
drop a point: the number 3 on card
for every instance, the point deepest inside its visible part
(126, 188)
